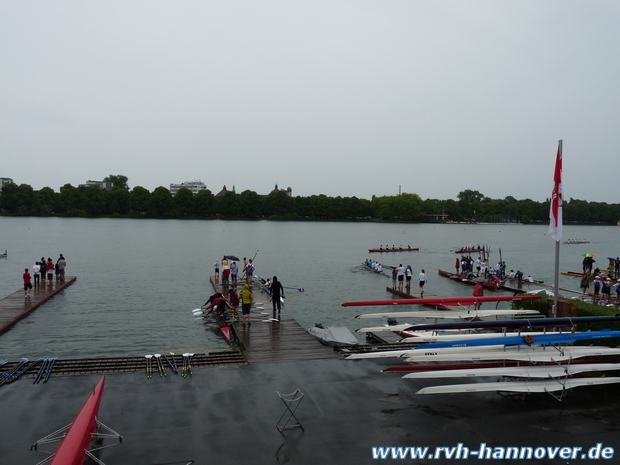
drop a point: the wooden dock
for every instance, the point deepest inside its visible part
(15, 306)
(285, 340)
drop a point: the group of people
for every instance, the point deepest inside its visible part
(230, 271)
(44, 270)
(466, 265)
(374, 265)
(602, 288)
(226, 308)
(400, 247)
(403, 274)
(612, 272)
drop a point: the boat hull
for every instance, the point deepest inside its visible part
(72, 449)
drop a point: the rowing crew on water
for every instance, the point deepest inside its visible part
(400, 248)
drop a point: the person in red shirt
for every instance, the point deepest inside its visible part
(478, 292)
(27, 283)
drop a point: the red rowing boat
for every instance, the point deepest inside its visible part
(73, 448)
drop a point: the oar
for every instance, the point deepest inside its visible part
(41, 371)
(184, 370)
(48, 373)
(172, 365)
(160, 365)
(189, 364)
(300, 289)
(148, 366)
(8, 376)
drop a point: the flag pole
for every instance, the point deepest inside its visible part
(555, 225)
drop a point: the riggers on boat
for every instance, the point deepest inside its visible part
(77, 437)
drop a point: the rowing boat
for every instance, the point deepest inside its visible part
(529, 340)
(473, 365)
(520, 323)
(531, 371)
(602, 276)
(370, 268)
(221, 319)
(445, 301)
(396, 249)
(512, 353)
(73, 448)
(473, 282)
(470, 250)
(519, 386)
(441, 314)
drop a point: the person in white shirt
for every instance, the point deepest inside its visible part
(422, 278)
(36, 272)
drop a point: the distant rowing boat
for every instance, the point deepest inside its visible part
(395, 249)
(470, 250)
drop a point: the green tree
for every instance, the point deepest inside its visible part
(10, 198)
(117, 180)
(228, 204)
(161, 201)
(94, 200)
(183, 202)
(69, 200)
(117, 201)
(45, 201)
(278, 204)
(139, 200)
(250, 204)
(204, 203)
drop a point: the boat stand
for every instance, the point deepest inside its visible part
(291, 401)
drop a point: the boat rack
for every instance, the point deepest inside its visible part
(74, 367)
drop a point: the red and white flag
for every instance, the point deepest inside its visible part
(555, 212)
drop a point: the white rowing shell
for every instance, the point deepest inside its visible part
(410, 352)
(541, 371)
(519, 386)
(426, 338)
(513, 353)
(448, 314)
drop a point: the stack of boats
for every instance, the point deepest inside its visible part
(533, 359)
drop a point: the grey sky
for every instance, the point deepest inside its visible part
(349, 98)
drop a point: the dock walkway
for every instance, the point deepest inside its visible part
(285, 340)
(15, 306)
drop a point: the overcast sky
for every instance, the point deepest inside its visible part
(335, 97)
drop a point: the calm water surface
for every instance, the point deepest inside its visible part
(138, 280)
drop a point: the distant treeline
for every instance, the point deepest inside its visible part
(120, 201)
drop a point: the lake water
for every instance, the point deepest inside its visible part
(138, 280)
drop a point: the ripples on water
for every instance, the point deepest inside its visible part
(138, 280)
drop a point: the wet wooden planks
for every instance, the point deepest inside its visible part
(14, 307)
(279, 341)
(276, 341)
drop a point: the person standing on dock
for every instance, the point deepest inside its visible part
(62, 264)
(234, 270)
(42, 263)
(246, 298)
(478, 292)
(394, 276)
(217, 269)
(27, 283)
(585, 284)
(36, 272)
(50, 269)
(277, 291)
(400, 272)
(249, 269)
(408, 274)
(423, 279)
